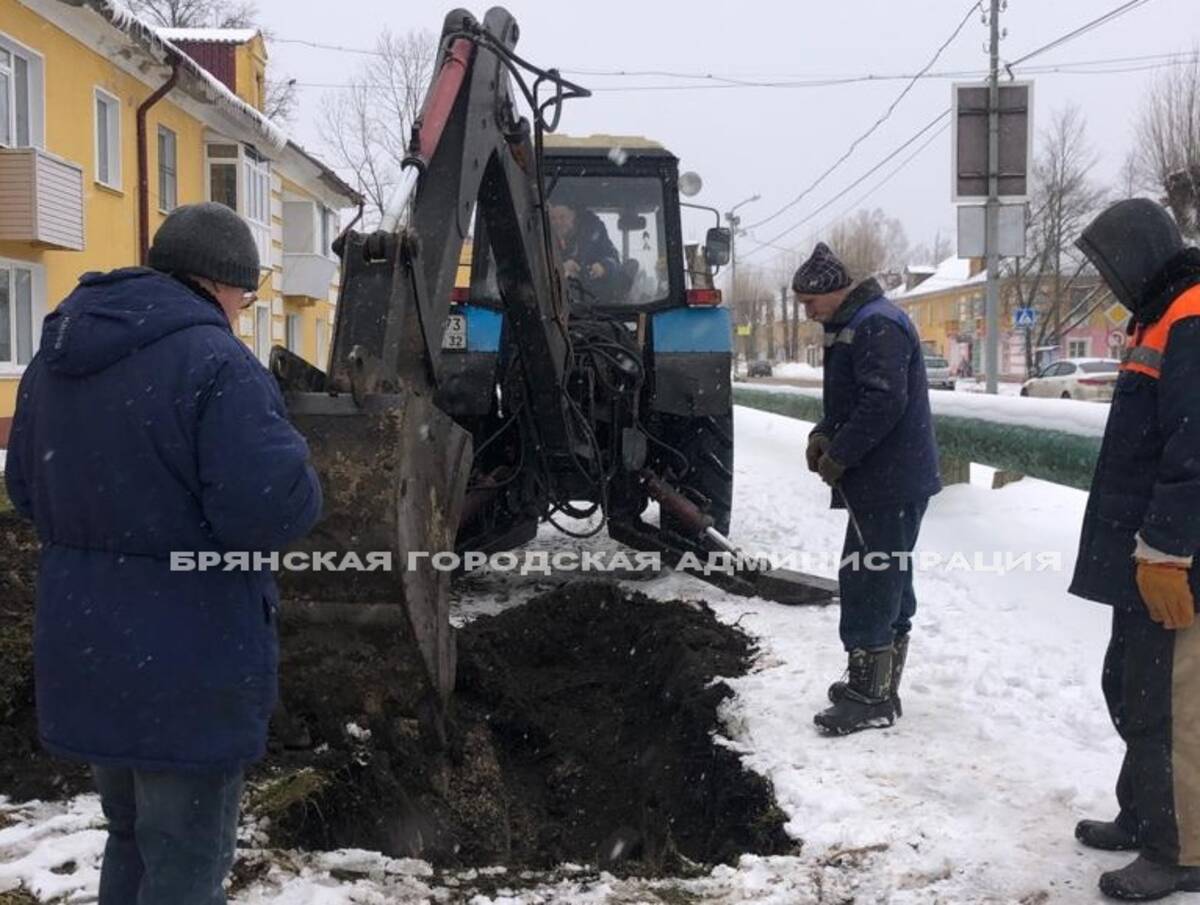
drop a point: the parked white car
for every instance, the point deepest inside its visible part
(1089, 379)
(937, 372)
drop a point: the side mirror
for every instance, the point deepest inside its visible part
(717, 244)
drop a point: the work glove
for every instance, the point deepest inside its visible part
(818, 445)
(1165, 591)
(830, 470)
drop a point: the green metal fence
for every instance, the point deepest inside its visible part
(1057, 456)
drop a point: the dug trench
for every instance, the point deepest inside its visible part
(582, 731)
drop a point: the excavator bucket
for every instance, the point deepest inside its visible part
(394, 470)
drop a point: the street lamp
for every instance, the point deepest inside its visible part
(734, 222)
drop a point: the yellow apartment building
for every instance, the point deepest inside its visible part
(106, 125)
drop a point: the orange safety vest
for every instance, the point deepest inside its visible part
(1150, 343)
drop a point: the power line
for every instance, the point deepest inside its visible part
(874, 126)
(866, 195)
(1081, 68)
(1109, 16)
(867, 175)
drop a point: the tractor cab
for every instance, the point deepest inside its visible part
(613, 205)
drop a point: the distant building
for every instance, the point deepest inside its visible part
(947, 307)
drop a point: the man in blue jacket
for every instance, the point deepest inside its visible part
(143, 428)
(875, 447)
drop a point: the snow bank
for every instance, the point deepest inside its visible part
(1086, 419)
(797, 369)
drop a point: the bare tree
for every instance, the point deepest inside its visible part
(366, 127)
(1168, 143)
(280, 102)
(869, 242)
(935, 253)
(198, 13)
(1063, 200)
(1129, 179)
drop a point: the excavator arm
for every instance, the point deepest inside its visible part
(394, 466)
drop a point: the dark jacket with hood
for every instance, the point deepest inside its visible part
(1147, 478)
(145, 427)
(589, 245)
(876, 403)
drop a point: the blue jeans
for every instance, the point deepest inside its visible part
(171, 836)
(878, 604)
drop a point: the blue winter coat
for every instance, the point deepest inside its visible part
(144, 426)
(876, 403)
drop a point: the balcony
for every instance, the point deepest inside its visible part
(308, 275)
(41, 199)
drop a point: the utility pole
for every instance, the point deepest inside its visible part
(734, 222)
(992, 345)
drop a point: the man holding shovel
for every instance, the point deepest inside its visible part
(875, 447)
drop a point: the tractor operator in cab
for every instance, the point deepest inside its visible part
(587, 252)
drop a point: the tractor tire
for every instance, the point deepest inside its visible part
(707, 442)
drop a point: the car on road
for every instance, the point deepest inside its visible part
(759, 368)
(1088, 379)
(937, 372)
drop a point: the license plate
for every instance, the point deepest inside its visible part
(455, 336)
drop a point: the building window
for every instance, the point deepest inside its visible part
(1077, 348)
(262, 333)
(256, 173)
(222, 175)
(108, 139)
(168, 184)
(295, 335)
(21, 96)
(240, 178)
(322, 343)
(19, 313)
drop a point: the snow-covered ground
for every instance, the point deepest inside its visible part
(1071, 416)
(970, 798)
(797, 369)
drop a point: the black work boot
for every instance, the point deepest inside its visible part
(867, 700)
(899, 655)
(1143, 880)
(1107, 835)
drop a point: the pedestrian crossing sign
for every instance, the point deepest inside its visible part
(1024, 317)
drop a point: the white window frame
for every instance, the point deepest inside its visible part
(35, 86)
(1075, 343)
(262, 338)
(113, 115)
(37, 310)
(293, 332)
(162, 130)
(253, 176)
(323, 333)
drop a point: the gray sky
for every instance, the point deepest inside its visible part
(776, 141)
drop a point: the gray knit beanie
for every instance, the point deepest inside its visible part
(207, 240)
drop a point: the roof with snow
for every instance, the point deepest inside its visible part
(202, 85)
(952, 273)
(210, 35)
(195, 79)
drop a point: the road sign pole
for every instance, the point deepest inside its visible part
(992, 346)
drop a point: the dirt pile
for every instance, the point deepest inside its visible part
(25, 772)
(581, 732)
